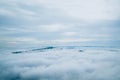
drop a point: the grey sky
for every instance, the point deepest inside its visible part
(59, 21)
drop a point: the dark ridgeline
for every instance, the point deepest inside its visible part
(40, 49)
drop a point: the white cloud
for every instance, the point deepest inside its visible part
(86, 10)
(69, 33)
(52, 27)
(65, 40)
(77, 9)
(22, 40)
(65, 64)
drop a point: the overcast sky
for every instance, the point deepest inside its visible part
(59, 21)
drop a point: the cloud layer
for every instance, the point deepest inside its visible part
(65, 64)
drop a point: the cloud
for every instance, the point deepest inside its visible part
(65, 40)
(59, 19)
(69, 33)
(52, 27)
(86, 10)
(28, 13)
(66, 64)
(82, 10)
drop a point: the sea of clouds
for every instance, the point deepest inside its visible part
(61, 64)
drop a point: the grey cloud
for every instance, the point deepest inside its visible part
(20, 13)
(37, 20)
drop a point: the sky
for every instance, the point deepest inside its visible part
(59, 22)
